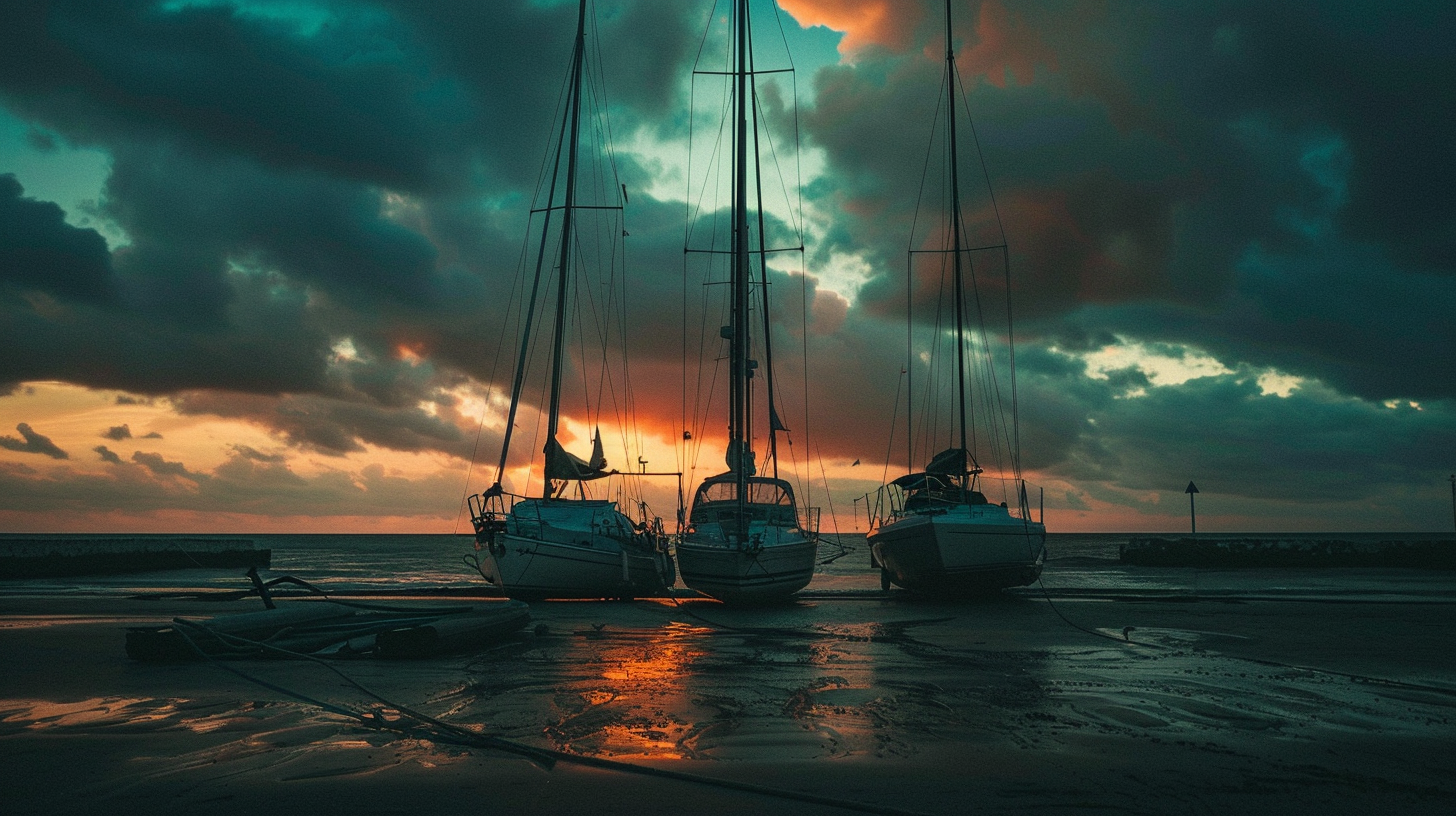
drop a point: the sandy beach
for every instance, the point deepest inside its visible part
(880, 703)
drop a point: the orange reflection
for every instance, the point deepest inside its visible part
(41, 714)
(634, 708)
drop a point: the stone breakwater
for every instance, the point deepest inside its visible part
(1289, 552)
(56, 557)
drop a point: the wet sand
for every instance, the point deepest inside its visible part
(879, 702)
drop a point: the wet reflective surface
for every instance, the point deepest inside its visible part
(1111, 687)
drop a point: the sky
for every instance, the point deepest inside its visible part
(260, 262)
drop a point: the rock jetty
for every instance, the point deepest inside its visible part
(57, 557)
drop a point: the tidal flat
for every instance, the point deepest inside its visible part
(1058, 700)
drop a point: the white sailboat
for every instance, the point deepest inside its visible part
(563, 543)
(745, 541)
(935, 530)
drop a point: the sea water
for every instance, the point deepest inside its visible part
(1079, 566)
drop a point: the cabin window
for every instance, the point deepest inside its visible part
(767, 500)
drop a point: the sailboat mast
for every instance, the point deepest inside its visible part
(955, 215)
(738, 430)
(558, 342)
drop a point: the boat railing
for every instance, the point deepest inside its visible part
(811, 520)
(892, 502)
(488, 514)
(496, 511)
(726, 513)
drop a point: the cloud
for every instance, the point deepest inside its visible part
(1006, 48)
(241, 490)
(32, 442)
(107, 455)
(252, 454)
(1225, 180)
(349, 97)
(333, 427)
(864, 22)
(161, 467)
(40, 252)
(1142, 196)
(118, 433)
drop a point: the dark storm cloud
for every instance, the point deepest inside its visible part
(257, 163)
(1127, 442)
(32, 442)
(118, 432)
(40, 251)
(1313, 446)
(350, 97)
(262, 343)
(643, 42)
(1220, 175)
(1375, 79)
(192, 219)
(1261, 182)
(334, 427)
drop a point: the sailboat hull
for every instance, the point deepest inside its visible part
(573, 549)
(532, 569)
(967, 550)
(733, 574)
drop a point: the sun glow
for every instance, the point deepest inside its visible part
(1162, 365)
(85, 453)
(1274, 383)
(412, 353)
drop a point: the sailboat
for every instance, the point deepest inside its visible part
(936, 531)
(744, 541)
(562, 543)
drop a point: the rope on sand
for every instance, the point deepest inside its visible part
(455, 735)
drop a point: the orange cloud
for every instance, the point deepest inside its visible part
(1005, 48)
(864, 22)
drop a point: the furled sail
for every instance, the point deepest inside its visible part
(951, 462)
(740, 457)
(562, 465)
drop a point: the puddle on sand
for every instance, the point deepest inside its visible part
(682, 691)
(295, 741)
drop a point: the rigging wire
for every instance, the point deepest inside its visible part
(515, 314)
(442, 731)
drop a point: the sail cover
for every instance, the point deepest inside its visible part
(562, 465)
(740, 457)
(950, 462)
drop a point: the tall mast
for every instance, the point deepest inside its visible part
(519, 381)
(955, 215)
(738, 430)
(558, 341)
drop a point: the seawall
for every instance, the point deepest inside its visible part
(55, 557)
(1289, 552)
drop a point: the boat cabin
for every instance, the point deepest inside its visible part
(929, 492)
(766, 501)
